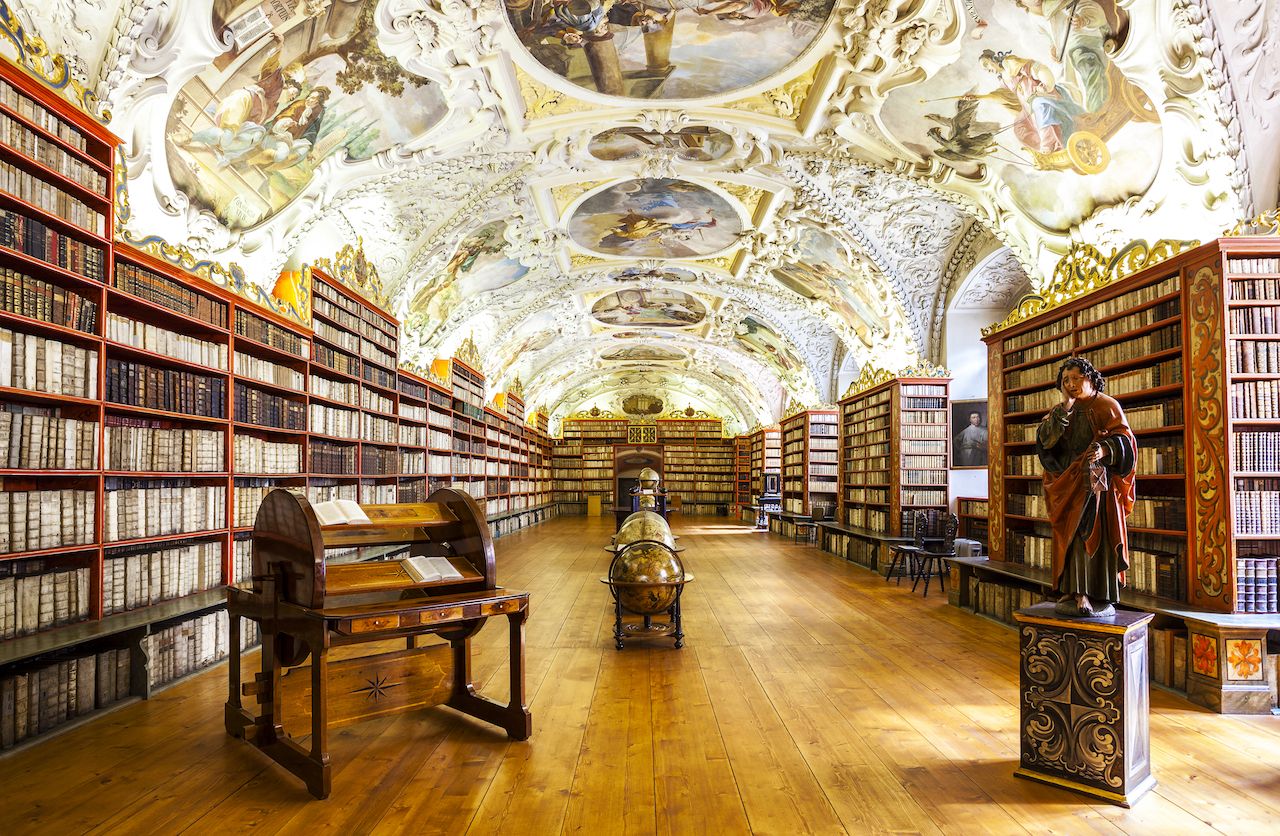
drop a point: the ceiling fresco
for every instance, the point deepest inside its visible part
(660, 308)
(678, 49)
(655, 218)
(725, 204)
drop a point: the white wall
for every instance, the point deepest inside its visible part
(966, 356)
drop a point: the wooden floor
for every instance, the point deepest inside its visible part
(810, 697)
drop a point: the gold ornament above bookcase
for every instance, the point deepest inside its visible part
(1265, 225)
(1085, 269)
(468, 353)
(230, 277)
(51, 68)
(872, 377)
(352, 269)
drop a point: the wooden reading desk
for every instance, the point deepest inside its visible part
(306, 606)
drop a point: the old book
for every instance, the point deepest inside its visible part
(105, 685)
(48, 697)
(8, 704)
(62, 592)
(1178, 664)
(82, 593)
(48, 595)
(1160, 656)
(21, 707)
(28, 609)
(86, 682)
(8, 607)
(123, 671)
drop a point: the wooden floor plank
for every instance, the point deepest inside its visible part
(811, 697)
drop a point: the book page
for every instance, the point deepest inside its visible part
(420, 569)
(444, 568)
(352, 512)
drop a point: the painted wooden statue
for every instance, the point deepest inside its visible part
(1088, 453)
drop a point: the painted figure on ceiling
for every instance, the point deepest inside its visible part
(1046, 112)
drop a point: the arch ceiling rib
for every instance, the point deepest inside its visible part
(706, 201)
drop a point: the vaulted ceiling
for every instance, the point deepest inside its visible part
(728, 204)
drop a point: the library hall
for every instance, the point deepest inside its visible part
(639, 417)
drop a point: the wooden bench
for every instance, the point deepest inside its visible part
(785, 522)
(829, 532)
(1213, 680)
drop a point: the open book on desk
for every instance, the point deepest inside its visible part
(340, 512)
(428, 569)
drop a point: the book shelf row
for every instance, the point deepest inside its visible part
(145, 413)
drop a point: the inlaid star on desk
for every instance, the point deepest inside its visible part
(377, 688)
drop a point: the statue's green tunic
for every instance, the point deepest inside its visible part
(1090, 540)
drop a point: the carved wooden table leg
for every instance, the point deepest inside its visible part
(675, 619)
(320, 781)
(233, 714)
(617, 623)
(521, 726)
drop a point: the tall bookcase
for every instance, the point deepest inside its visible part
(1189, 347)
(742, 471)
(810, 462)
(698, 463)
(974, 515)
(144, 413)
(893, 451)
(766, 457)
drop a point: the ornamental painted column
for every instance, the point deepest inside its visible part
(1084, 706)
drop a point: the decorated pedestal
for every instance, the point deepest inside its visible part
(1084, 703)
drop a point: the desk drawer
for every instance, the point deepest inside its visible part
(374, 624)
(426, 618)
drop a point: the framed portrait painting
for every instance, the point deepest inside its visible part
(969, 430)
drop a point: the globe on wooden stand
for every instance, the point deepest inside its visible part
(646, 578)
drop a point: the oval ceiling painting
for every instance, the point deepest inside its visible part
(823, 271)
(643, 352)
(763, 342)
(246, 135)
(1040, 100)
(699, 144)
(662, 274)
(642, 335)
(676, 49)
(656, 218)
(649, 308)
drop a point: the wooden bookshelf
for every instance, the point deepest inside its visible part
(894, 449)
(225, 416)
(1187, 347)
(699, 464)
(810, 462)
(973, 514)
(742, 471)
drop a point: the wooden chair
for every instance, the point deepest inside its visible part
(934, 562)
(809, 527)
(908, 553)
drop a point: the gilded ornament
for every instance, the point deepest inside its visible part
(1084, 269)
(468, 353)
(540, 101)
(50, 68)
(1266, 224)
(351, 269)
(516, 388)
(230, 278)
(1211, 485)
(584, 260)
(995, 442)
(567, 193)
(748, 196)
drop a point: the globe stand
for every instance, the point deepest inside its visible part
(648, 628)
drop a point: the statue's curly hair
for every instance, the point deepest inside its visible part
(1086, 369)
